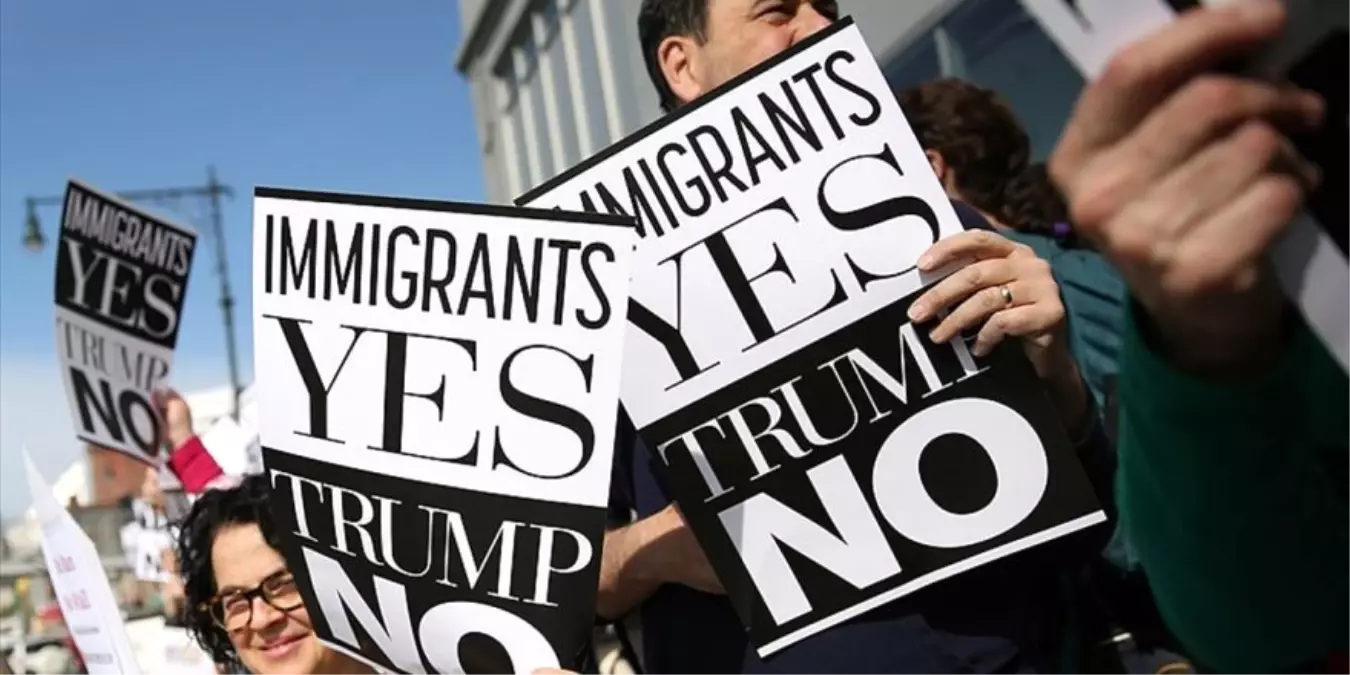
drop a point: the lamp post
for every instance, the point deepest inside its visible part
(210, 193)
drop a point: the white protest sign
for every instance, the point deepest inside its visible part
(437, 420)
(771, 367)
(121, 276)
(228, 443)
(80, 584)
(151, 539)
(1312, 259)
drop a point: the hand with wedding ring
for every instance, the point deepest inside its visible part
(1006, 287)
(1011, 291)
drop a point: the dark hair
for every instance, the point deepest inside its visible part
(660, 19)
(979, 136)
(242, 505)
(1032, 203)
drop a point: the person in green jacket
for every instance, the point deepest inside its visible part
(981, 155)
(1233, 448)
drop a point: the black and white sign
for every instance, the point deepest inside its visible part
(121, 276)
(437, 419)
(806, 428)
(1312, 259)
(150, 536)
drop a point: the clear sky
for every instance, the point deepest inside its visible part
(345, 95)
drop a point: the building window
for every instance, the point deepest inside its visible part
(917, 64)
(527, 51)
(996, 44)
(550, 19)
(507, 86)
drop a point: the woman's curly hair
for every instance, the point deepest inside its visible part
(245, 504)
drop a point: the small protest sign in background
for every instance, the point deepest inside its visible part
(437, 420)
(804, 424)
(121, 276)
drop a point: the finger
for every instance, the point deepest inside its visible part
(979, 307)
(1151, 225)
(976, 244)
(1224, 252)
(1210, 107)
(1142, 74)
(960, 285)
(1033, 319)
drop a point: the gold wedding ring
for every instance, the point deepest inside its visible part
(1007, 294)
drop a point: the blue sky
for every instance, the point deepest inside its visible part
(346, 95)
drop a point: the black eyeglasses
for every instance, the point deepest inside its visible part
(233, 609)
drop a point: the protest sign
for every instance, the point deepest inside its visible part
(151, 538)
(80, 584)
(437, 420)
(121, 275)
(1312, 260)
(804, 425)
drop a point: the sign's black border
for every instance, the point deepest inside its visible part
(418, 204)
(666, 120)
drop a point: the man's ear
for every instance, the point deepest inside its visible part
(945, 175)
(678, 56)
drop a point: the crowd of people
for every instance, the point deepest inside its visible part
(1134, 270)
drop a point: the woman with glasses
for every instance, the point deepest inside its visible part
(246, 608)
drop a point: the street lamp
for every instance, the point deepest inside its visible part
(34, 241)
(32, 229)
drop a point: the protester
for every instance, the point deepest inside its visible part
(998, 617)
(1232, 482)
(244, 605)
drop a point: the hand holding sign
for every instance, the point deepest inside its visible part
(1186, 180)
(176, 415)
(1007, 291)
(1007, 287)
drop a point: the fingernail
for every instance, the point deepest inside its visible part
(980, 349)
(925, 262)
(934, 336)
(918, 311)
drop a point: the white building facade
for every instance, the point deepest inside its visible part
(554, 81)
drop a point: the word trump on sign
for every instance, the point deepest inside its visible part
(121, 277)
(771, 369)
(438, 420)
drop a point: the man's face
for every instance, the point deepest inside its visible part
(741, 34)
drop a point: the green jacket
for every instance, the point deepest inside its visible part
(1234, 497)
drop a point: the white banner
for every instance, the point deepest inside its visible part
(80, 584)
